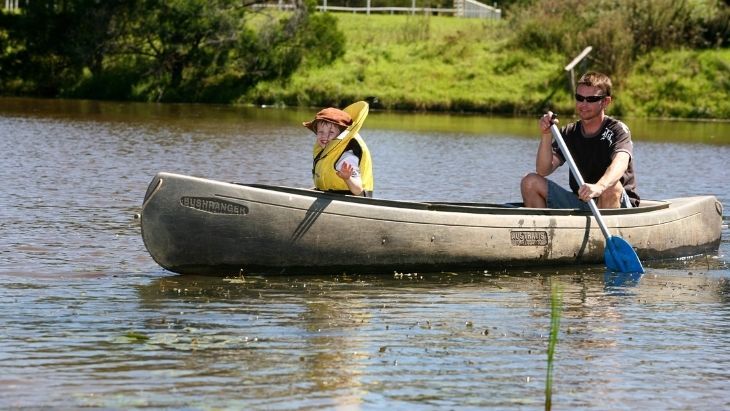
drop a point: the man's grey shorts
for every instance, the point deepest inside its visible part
(558, 197)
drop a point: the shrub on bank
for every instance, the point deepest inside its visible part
(683, 83)
(620, 31)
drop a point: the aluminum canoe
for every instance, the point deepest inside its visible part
(202, 226)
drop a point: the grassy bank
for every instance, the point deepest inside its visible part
(685, 83)
(441, 63)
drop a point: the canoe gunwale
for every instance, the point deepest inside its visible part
(460, 207)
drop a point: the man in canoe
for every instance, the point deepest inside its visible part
(601, 147)
(342, 162)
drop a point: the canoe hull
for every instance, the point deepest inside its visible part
(194, 225)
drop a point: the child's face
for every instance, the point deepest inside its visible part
(326, 132)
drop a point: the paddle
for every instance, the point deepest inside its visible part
(618, 254)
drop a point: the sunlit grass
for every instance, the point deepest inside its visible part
(443, 63)
(435, 63)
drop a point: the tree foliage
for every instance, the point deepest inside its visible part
(157, 50)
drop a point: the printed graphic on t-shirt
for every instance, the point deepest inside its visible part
(607, 135)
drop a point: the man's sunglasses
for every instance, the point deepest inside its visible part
(590, 99)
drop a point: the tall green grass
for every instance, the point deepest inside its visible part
(442, 63)
(682, 83)
(556, 303)
(621, 31)
(434, 63)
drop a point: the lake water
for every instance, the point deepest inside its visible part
(89, 320)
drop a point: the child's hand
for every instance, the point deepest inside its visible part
(346, 171)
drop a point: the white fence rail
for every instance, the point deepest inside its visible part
(391, 10)
(473, 8)
(462, 8)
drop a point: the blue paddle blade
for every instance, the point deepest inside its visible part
(621, 257)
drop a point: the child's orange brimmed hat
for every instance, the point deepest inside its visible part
(330, 115)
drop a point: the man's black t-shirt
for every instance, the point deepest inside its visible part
(593, 154)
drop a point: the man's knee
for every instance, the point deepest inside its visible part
(611, 197)
(615, 191)
(531, 181)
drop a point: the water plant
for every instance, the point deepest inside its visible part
(556, 302)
